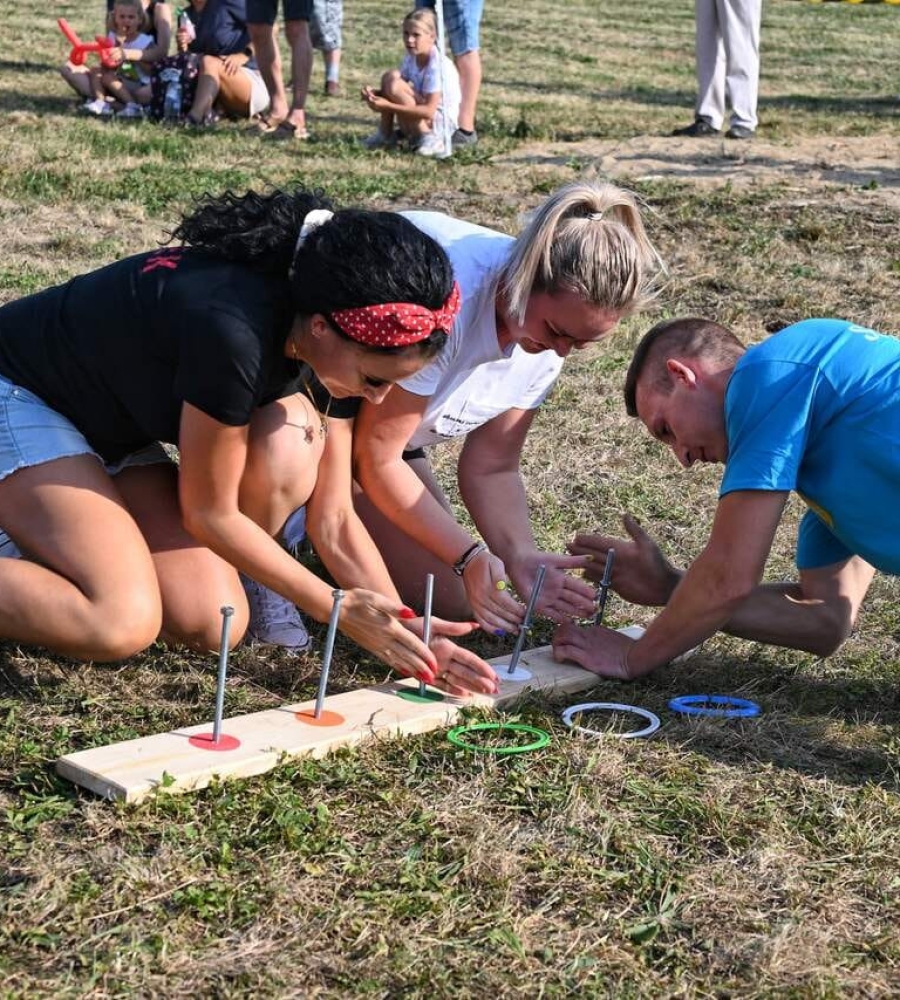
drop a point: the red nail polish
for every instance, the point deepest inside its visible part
(407, 613)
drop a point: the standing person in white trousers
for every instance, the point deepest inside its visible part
(727, 51)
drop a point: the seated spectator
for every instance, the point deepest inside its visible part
(124, 88)
(422, 97)
(229, 81)
(158, 26)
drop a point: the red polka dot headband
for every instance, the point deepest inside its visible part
(395, 324)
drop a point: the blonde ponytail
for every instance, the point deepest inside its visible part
(585, 238)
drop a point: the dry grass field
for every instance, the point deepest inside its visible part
(719, 859)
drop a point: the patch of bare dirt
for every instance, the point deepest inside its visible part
(870, 162)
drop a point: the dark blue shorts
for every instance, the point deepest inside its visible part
(266, 11)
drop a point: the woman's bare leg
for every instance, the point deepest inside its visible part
(194, 582)
(87, 587)
(214, 86)
(285, 448)
(407, 561)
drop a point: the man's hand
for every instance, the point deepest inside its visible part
(600, 650)
(641, 573)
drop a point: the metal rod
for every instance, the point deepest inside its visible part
(426, 625)
(227, 612)
(446, 134)
(604, 586)
(338, 596)
(526, 621)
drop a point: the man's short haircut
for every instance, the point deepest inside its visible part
(686, 338)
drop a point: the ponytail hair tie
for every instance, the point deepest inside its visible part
(595, 216)
(311, 222)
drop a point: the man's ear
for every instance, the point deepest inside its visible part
(681, 373)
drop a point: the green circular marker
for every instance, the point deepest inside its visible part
(457, 737)
(411, 694)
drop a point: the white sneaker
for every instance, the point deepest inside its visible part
(431, 145)
(131, 110)
(274, 620)
(97, 107)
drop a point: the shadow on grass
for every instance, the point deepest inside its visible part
(837, 727)
(64, 104)
(26, 66)
(711, 159)
(879, 105)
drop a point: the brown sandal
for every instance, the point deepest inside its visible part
(285, 131)
(264, 125)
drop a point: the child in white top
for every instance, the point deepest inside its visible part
(129, 82)
(423, 96)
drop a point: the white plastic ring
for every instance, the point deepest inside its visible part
(611, 706)
(518, 676)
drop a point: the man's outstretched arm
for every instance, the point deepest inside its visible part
(721, 578)
(815, 614)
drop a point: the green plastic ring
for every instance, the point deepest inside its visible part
(457, 737)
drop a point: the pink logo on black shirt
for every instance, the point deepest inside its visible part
(167, 258)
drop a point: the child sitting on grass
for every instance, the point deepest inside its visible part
(421, 95)
(129, 82)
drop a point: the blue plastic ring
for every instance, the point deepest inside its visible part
(698, 704)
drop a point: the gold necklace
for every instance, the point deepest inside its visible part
(323, 417)
(308, 431)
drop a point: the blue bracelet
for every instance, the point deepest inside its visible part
(698, 704)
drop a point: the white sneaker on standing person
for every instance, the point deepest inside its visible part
(274, 620)
(412, 96)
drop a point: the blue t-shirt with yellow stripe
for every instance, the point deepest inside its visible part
(816, 409)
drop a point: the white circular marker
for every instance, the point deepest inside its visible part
(611, 706)
(516, 677)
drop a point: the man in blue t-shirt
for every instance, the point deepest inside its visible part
(814, 409)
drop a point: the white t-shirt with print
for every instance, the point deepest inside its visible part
(472, 380)
(427, 79)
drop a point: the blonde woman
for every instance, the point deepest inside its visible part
(583, 262)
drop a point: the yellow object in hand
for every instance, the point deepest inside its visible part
(500, 585)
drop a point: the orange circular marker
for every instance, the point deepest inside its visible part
(204, 741)
(325, 718)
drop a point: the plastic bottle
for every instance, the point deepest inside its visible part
(172, 100)
(186, 24)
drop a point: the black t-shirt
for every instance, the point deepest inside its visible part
(119, 350)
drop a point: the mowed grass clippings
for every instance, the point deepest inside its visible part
(754, 858)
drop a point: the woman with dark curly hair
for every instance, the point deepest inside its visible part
(246, 345)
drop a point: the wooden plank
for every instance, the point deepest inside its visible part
(168, 761)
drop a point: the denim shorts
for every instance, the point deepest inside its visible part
(266, 11)
(32, 433)
(462, 19)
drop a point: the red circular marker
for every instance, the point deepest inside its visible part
(324, 719)
(204, 741)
